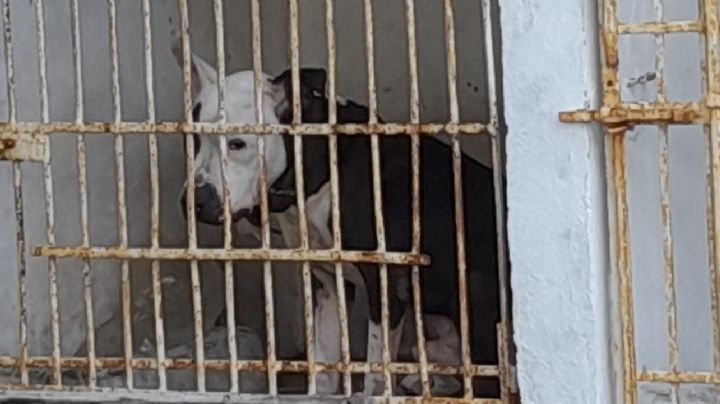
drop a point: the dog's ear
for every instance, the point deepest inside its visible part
(280, 93)
(201, 72)
(312, 89)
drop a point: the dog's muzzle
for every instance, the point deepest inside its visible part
(209, 207)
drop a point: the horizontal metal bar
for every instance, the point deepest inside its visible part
(669, 27)
(679, 377)
(374, 257)
(118, 363)
(251, 128)
(105, 394)
(672, 113)
(22, 147)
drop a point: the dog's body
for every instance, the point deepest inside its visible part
(439, 280)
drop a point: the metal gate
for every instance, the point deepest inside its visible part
(628, 120)
(23, 142)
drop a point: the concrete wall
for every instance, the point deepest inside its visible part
(393, 105)
(557, 231)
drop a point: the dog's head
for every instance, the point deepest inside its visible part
(242, 173)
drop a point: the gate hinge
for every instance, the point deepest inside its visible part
(22, 146)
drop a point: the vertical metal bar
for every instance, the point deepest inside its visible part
(227, 216)
(190, 195)
(709, 14)
(300, 191)
(610, 75)
(498, 185)
(458, 197)
(121, 198)
(669, 268)
(264, 208)
(49, 200)
(416, 224)
(377, 198)
(17, 191)
(22, 270)
(335, 195)
(154, 200)
(82, 188)
(619, 182)
(611, 97)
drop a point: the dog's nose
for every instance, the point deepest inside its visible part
(199, 181)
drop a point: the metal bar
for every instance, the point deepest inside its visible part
(300, 192)
(17, 192)
(499, 187)
(660, 27)
(708, 13)
(609, 49)
(82, 189)
(121, 198)
(377, 198)
(458, 198)
(49, 200)
(237, 254)
(108, 394)
(22, 270)
(335, 194)
(227, 217)
(712, 54)
(191, 220)
(669, 268)
(154, 199)
(679, 377)
(112, 363)
(676, 113)
(321, 129)
(264, 209)
(415, 167)
(623, 265)
(86, 268)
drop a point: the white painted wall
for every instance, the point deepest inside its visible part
(557, 231)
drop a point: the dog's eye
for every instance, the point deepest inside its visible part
(236, 144)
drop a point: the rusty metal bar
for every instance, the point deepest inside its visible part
(415, 167)
(458, 198)
(191, 219)
(679, 377)
(113, 363)
(108, 394)
(121, 198)
(82, 189)
(670, 112)
(227, 216)
(377, 198)
(49, 200)
(709, 14)
(609, 49)
(300, 193)
(237, 254)
(264, 208)
(498, 185)
(22, 269)
(661, 27)
(154, 199)
(18, 195)
(623, 265)
(391, 129)
(335, 194)
(668, 256)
